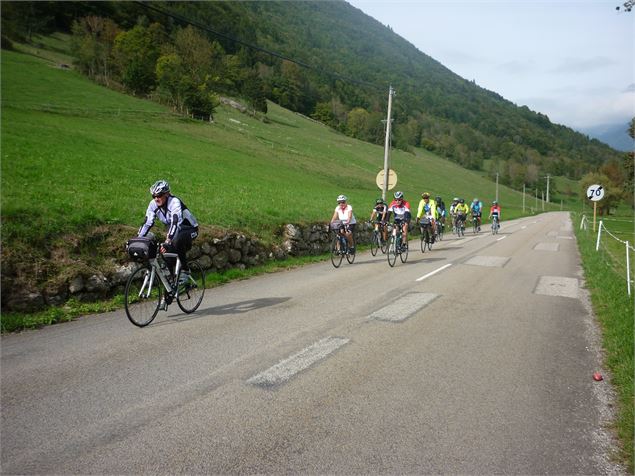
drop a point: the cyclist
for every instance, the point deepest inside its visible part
(455, 202)
(182, 226)
(495, 210)
(477, 210)
(428, 208)
(440, 210)
(460, 212)
(400, 208)
(378, 216)
(344, 213)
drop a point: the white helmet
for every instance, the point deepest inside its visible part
(341, 198)
(398, 195)
(159, 188)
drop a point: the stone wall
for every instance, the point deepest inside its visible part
(215, 254)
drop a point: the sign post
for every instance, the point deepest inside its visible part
(595, 193)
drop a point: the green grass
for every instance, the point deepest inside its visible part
(75, 154)
(614, 310)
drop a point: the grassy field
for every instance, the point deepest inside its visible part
(606, 280)
(75, 154)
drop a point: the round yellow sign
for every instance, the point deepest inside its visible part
(392, 179)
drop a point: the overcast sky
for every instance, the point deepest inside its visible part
(572, 60)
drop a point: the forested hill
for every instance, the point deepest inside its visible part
(330, 61)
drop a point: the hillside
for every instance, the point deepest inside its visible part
(78, 157)
(339, 63)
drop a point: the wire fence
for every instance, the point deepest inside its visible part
(617, 253)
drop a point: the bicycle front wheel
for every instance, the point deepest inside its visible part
(143, 296)
(191, 293)
(350, 255)
(392, 251)
(374, 243)
(423, 241)
(336, 254)
(403, 256)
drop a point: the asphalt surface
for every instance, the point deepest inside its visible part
(474, 358)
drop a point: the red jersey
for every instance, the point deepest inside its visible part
(399, 209)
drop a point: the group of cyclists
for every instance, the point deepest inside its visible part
(183, 227)
(434, 210)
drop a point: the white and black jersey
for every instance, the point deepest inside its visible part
(174, 213)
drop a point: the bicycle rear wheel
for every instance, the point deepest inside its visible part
(142, 297)
(336, 255)
(391, 254)
(191, 293)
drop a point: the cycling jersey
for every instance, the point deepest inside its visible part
(441, 210)
(429, 208)
(343, 215)
(174, 213)
(400, 210)
(379, 211)
(461, 209)
(495, 210)
(476, 207)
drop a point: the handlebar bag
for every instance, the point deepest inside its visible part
(141, 249)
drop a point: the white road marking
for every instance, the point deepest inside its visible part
(501, 238)
(434, 272)
(561, 237)
(404, 307)
(557, 286)
(489, 261)
(287, 368)
(523, 227)
(547, 246)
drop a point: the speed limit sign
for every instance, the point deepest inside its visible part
(595, 193)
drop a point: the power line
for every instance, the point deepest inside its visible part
(187, 21)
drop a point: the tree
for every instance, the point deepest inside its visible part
(136, 53)
(253, 89)
(92, 44)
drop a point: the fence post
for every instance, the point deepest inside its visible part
(597, 243)
(628, 271)
(582, 222)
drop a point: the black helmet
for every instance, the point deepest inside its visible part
(379, 201)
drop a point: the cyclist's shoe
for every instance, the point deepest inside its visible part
(184, 278)
(163, 305)
(351, 250)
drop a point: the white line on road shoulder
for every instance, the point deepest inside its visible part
(434, 272)
(501, 238)
(287, 368)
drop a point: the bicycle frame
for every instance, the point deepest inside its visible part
(157, 271)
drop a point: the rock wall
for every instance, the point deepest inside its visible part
(215, 254)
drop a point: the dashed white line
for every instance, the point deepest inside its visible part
(501, 238)
(287, 368)
(434, 272)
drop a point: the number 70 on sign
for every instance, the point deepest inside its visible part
(595, 193)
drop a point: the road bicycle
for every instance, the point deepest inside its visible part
(426, 234)
(459, 224)
(495, 225)
(440, 228)
(475, 226)
(153, 287)
(339, 245)
(377, 241)
(396, 246)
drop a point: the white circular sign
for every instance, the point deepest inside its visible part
(392, 179)
(595, 193)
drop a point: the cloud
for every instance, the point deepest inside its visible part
(630, 88)
(583, 65)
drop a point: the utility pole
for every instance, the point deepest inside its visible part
(523, 198)
(543, 200)
(497, 186)
(548, 176)
(391, 93)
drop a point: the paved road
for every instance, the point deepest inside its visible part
(473, 358)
